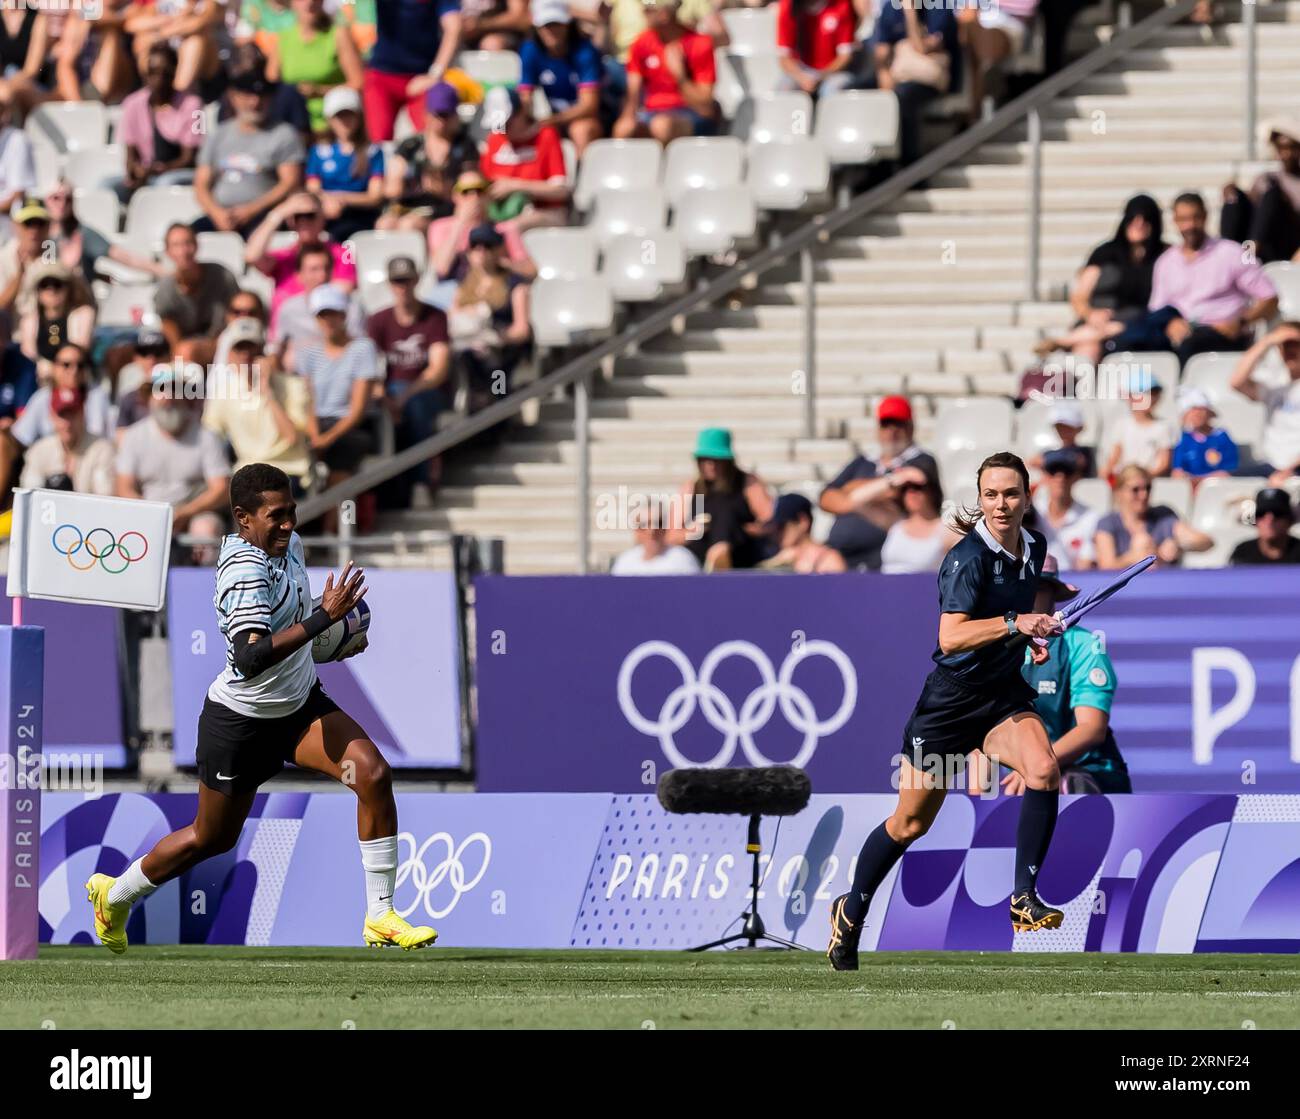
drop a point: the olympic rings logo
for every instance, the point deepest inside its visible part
(738, 727)
(101, 546)
(450, 869)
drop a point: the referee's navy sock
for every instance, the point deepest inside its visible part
(1034, 834)
(878, 855)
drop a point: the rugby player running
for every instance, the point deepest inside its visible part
(974, 697)
(267, 707)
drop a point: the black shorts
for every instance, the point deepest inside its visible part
(237, 753)
(952, 718)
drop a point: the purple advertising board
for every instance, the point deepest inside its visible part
(83, 683)
(1174, 872)
(404, 689)
(601, 683)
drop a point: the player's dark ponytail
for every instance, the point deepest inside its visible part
(964, 518)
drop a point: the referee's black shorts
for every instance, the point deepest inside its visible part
(237, 753)
(952, 718)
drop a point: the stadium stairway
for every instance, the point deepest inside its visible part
(927, 297)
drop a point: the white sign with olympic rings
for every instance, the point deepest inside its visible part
(77, 547)
(737, 724)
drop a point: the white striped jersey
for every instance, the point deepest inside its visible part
(257, 591)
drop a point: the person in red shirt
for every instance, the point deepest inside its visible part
(815, 39)
(670, 79)
(524, 165)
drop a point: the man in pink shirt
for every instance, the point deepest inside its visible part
(1207, 291)
(303, 214)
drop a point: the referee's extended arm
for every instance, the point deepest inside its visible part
(960, 633)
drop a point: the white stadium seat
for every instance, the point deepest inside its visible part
(562, 253)
(751, 30)
(90, 168)
(702, 162)
(715, 221)
(858, 126)
(627, 211)
(153, 209)
(1210, 372)
(1174, 492)
(1095, 493)
(49, 163)
(964, 423)
(223, 248)
(1242, 419)
(774, 116)
(958, 468)
(616, 165)
(1286, 278)
(71, 125)
(741, 76)
(568, 311)
(1222, 502)
(127, 304)
(374, 248)
(98, 208)
(792, 173)
(490, 68)
(640, 269)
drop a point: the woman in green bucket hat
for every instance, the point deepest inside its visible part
(724, 508)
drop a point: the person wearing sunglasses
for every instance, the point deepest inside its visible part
(1136, 528)
(62, 310)
(1069, 525)
(70, 369)
(449, 236)
(304, 216)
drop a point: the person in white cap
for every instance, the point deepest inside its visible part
(347, 172)
(1067, 419)
(558, 59)
(343, 372)
(1204, 451)
(1268, 214)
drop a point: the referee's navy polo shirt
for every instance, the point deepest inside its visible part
(981, 579)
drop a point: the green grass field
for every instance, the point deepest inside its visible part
(326, 988)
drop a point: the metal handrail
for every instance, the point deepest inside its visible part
(818, 229)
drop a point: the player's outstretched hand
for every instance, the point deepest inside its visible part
(1038, 625)
(338, 598)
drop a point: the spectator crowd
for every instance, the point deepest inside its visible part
(300, 125)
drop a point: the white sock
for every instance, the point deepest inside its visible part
(379, 860)
(131, 886)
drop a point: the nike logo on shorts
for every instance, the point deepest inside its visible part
(223, 777)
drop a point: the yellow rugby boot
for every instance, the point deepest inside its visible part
(391, 931)
(110, 920)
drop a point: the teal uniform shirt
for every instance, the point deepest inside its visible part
(1078, 673)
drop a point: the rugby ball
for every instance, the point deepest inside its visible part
(343, 636)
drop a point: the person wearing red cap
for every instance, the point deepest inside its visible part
(864, 495)
(71, 458)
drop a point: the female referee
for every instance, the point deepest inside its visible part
(267, 708)
(975, 696)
